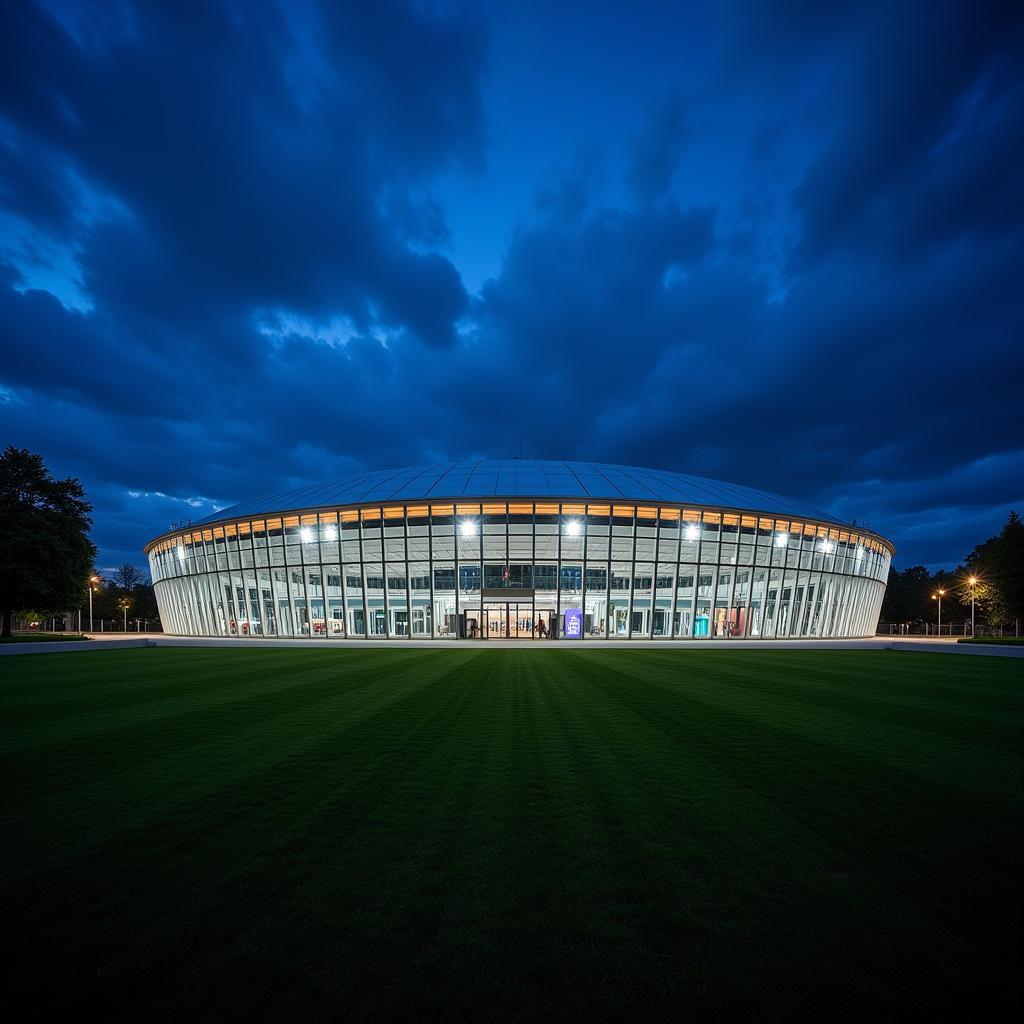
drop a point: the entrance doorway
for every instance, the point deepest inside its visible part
(507, 620)
(515, 620)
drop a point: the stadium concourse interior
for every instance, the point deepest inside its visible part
(520, 569)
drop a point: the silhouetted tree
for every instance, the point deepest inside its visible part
(45, 552)
(999, 563)
(908, 595)
(145, 603)
(104, 602)
(127, 577)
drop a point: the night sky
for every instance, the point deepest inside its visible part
(251, 246)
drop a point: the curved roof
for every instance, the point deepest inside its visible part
(522, 478)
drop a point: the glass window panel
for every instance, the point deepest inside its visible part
(469, 579)
(419, 578)
(572, 579)
(520, 547)
(545, 577)
(419, 545)
(494, 543)
(546, 539)
(495, 575)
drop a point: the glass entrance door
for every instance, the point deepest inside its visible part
(520, 620)
(508, 620)
(496, 621)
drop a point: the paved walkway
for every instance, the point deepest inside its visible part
(934, 645)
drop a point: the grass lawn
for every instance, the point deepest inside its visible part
(40, 638)
(992, 640)
(511, 834)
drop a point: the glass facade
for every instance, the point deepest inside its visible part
(520, 569)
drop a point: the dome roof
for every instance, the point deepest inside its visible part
(522, 478)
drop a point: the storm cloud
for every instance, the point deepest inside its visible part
(247, 247)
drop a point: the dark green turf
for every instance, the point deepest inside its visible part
(1003, 640)
(511, 834)
(40, 638)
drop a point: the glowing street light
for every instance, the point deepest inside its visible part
(937, 596)
(93, 580)
(973, 584)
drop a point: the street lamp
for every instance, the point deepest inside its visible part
(93, 580)
(973, 582)
(937, 596)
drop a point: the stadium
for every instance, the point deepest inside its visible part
(520, 549)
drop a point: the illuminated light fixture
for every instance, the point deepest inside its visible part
(781, 540)
(330, 532)
(573, 528)
(306, 535)
(181, 552)
(692, 531)
(467, 528)
(828, 547)
(860, 552)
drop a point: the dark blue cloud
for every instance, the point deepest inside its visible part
(775, 244)
(656, 150)
(931, 106)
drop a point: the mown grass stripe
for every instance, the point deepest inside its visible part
(560, 832)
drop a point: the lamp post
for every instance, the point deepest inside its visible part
(93, 580)
(937, 596)
(974, 584)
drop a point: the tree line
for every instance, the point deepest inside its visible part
(993, 573)
(124, 590)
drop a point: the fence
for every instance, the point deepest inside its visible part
(952, 629)
(72, 624)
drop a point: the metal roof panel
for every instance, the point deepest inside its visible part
(521, 478)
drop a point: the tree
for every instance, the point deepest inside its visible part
(908, 595)
(46, 556)
(997, 610)
(128, 577)
(948, 583)
(970, 588)
(144, 603)
(1000, 563)
(106, 601)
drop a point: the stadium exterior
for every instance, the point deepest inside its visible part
(521, 549)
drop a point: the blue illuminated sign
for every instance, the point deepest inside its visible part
(573, 623)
